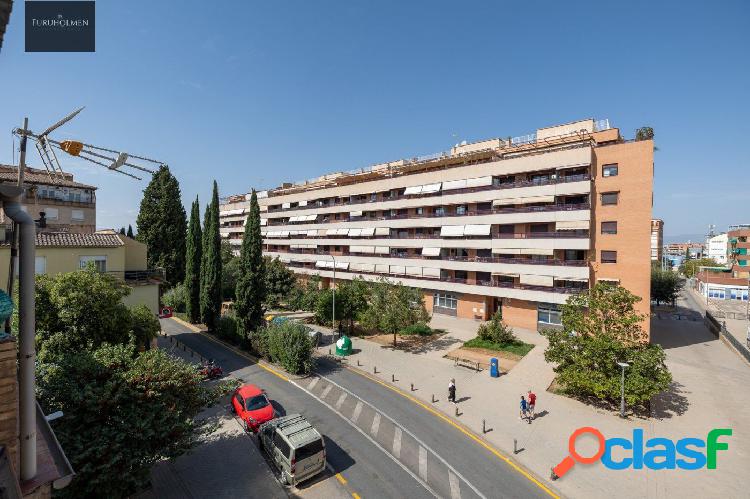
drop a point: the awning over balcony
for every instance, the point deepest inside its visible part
(430, 188)
(506, 202)
(537, 280)
(367, 232)
(414, 189)
(452, 231)
(331, 232)
(294, 219)
(263, 221)
(355, 232)
(342, 265)
(572, 225)
(342, 232)
(303, 203)
(479, 181)
(477, 230)
(284, 233)
(430, 272)
(506, 251)
(430, 251)
(382, 250)
(382, 231)
(312, 232)
(355, 213)
(454, 184)
(537, 199)
(573, 279)
(537, 251)
(362, 249)
(286, 205)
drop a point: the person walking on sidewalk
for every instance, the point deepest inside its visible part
(452, 391)
(532, 403)
(524, 409)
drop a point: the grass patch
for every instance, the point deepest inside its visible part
(515, 347)
(418, 329)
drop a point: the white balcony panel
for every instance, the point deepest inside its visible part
(431, 188)
(397, 269)
(537, 199)
(452, 231)
(342, 265)
(263, 222)
(479, 181)
(332, 232)
(537, 280)
(311, 218)
(224, 235)
(362, 249)
(556, 243)
(286, 206)
(342, 232)
(382, 231)
(477, 230)
(383, 269)
(416, 271)
(285, 259)
(506, 251)
(430, 251)
(368, 232)
(303, 203)
(536, 251)
(355, 213)
(284, 233)
(415, 189)
(367, 267)
(506, 202)
(312, 232)
(574, 279)
(430, 272)
(294, 219)
(454, 184)
(382, 250)
(321, 264)
(355, 232)
(572, 225)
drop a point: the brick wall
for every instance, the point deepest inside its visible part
(9, 399)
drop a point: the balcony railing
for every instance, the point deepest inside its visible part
(476, 259)
(147, 276)
(492, 283)
(510, 185)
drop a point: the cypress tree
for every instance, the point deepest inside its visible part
(122, 230)
(162, 225)
(210, 296)
(193, 264)
(130, 232)
(251, 289)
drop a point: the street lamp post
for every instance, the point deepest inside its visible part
(623, 365)
(333, 295)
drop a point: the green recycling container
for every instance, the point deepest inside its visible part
(344, 346)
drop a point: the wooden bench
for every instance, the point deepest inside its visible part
(471, 364)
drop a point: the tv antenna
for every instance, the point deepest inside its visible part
(109, 158)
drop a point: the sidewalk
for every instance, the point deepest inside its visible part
(738, 329)
(705, 375)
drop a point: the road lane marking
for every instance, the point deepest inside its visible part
(313, 383)
(368, 437)
(455, 486)
(341, 399)
(326, 391)
(413, 436)
(340, 478)
(423, 463)
(460, 428)
(355, 495)
(396, 442)
(375, 425)
(357, 411)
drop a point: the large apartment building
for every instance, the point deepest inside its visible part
(657, 239)
(515, 224)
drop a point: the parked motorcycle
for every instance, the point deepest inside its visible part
(210, 370)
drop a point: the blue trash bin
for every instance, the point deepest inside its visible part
(494, 368)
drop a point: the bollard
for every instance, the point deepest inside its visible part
(456, 409)
(484, 427)
(515, 446)
(433, 398)
(329, 351)
(183, 348)
(358, 364)
(375, 369)
(412, 386)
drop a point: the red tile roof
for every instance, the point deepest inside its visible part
(74, 240)
(9, 173)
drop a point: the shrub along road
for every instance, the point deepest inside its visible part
(382, 445)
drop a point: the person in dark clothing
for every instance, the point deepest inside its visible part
(452, 391)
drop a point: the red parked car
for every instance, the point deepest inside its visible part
(251, 404)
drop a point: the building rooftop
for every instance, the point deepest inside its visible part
(75, 240)
(9, 173)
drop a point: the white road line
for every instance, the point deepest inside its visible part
(326, 391)
(357, 411)
(375, 425)
(341, 399)
(397, 442)
(313, 383)
(455, 486)
(423, 463)
(372, 441)
(395, 424)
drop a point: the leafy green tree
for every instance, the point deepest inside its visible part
(130, 232)
(279, 281)
(210, 296)
(251, 285)
(144, 325)
(496, 331)
(85, 305)
(290, 345)
(644, 133)
(600, 329)
(230, 272)
(162, 225)
(193, 264)
(351, 302)
(304, 294)
(689, 268)
(393, 307)
(665, 286)
(176, 297)
(124, 412)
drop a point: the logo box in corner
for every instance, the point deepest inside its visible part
(60, 26)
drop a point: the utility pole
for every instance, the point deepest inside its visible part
(333, 296)
(14, 229)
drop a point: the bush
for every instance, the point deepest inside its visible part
(259, 343)
(419, 329)
(290, 345)
(145, 325)
(496, 331)
(176, 298)
(516, 347)
(229, 330)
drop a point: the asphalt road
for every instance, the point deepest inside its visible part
(383, 444)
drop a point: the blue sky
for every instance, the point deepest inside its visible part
(256, 93)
